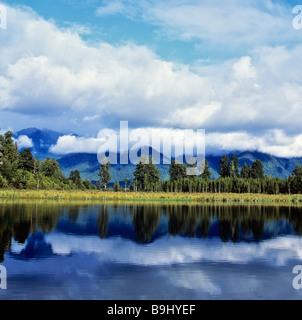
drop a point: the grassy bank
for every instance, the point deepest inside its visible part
(142, 196)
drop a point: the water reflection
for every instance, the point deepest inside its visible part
(143, 223)
(149, 251)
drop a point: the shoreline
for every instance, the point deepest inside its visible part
(150, 197)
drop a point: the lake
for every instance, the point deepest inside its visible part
(169, 251)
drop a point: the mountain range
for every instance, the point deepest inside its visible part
(88, 164)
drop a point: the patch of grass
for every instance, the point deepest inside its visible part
(145, 196)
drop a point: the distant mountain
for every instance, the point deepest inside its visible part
(42, 140)
(273, 166)
(88, 164)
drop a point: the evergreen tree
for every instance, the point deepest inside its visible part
(224, 167)
(10, 156)
(104, 173)
(206, 175)
(75, 177)
(177, 171)
(256, 171)
(234, 167)
(26, 160)
(146, 174)
(297, 180)
(139, 173)
(245, 172)
(153, 176)
(116, 187)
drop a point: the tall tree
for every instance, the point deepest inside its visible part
(153, 175)
(10, 156)
(75, 177)
(104, 173)
(147, 174)
(177, 171)
(206, 175)
(234, 167)
(126, 181)
(256, 171)
(245, 172)
(224, 167)
(297, 180)
(37, 173)
(26, 160)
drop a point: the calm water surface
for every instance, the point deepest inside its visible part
(149, 251)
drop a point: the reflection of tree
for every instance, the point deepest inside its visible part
(73, 213)
(145, 221)
(256, 227)
(19, 220)
(296, 220)
(47, 222)
(204, 226)
(224, 230)
(103, 221)
(183, 220)
(22, 231)
(5, 242)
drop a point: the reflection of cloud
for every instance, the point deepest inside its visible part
(196, 281)
(166, 251)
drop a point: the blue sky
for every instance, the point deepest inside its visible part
(81, 66)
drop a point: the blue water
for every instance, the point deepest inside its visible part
(149, 251)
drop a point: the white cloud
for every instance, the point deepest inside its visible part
(24, 142)
(234, 24)
(243, 69)
(92, 87)
(72, 144)
(274, 142)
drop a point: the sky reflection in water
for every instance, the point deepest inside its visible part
(135, 251)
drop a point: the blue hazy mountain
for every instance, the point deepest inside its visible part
(88, 164)
(42, 140)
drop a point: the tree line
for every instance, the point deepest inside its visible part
(248, 179)
(21, 170)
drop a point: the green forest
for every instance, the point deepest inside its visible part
(20, 170)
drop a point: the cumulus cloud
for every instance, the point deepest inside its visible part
(96, 86)
(72, 144)
(24, 142)
(274, 142)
